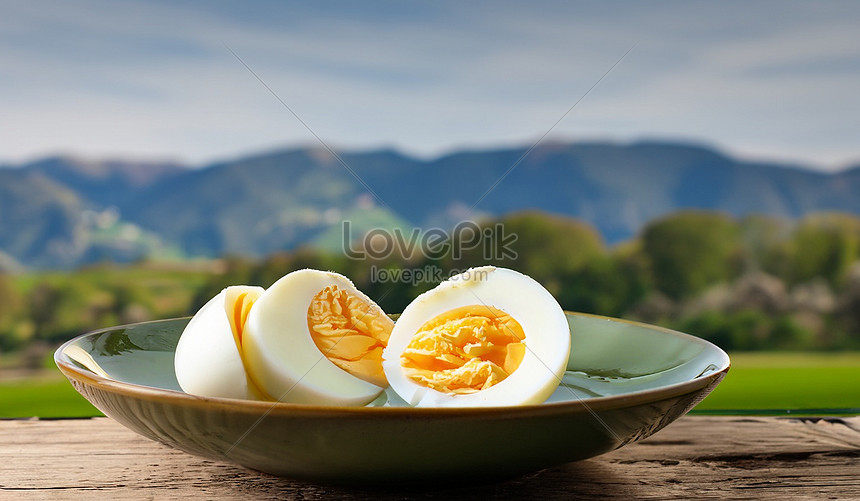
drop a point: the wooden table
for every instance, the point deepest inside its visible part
(694, 458)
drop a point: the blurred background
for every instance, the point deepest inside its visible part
(690, 165)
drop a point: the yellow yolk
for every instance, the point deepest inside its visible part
(350, 332)
(238, 315)
(465, 350)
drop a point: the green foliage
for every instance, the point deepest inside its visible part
(604, 286)
(748, 330)
(766, 243)
(9, 298)
(53, 307)
(546, 247)
(824, 245)
(10, 311)
(688, 251)
(681, 256)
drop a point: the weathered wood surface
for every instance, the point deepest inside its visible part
(694, 458)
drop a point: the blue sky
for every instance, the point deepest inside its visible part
(774, 80)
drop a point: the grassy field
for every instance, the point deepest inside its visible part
(770, 383)
(781, 382)
(45, 396)
(168, 287)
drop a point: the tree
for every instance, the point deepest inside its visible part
(605, 285)
(10, 311)
(10, 300)
(824, 245)
(767, 243)
(544, 246)
(689, 251)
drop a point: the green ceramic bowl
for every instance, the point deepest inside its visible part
(625, 381)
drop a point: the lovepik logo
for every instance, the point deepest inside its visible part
(433, 243)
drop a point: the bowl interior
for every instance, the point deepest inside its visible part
(608, 357)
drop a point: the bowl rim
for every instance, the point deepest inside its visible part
(591, 404)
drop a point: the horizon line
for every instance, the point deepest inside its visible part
(733, 154)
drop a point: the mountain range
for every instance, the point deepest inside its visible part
(63, 211)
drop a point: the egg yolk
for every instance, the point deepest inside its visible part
(465, 350)
(350, 332)
(237, 313)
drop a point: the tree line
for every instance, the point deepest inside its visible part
(748, 283)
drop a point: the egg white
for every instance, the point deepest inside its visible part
(207, 361)
(280, 352)
(547, 338)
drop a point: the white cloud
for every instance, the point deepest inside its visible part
(153, 79)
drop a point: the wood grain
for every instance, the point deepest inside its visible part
(694, 458)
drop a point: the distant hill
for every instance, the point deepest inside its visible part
(38, 218)
(61, 212)
(105, 183)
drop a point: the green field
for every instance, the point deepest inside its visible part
(46, 397)
(758, 383)
(823, 383)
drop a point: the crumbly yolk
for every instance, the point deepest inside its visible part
(350, 332)
(465, 350)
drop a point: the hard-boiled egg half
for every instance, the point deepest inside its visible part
(208, 360)
(311, 337)
(314, 338)
(487, 337)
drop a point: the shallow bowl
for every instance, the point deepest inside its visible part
(625, 381)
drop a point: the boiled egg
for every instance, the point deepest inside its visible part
(312, 337)
(208, 359)
(487, 337)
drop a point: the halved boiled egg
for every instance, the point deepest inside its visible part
(487, 337)
(208, 359)
(312, 337)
